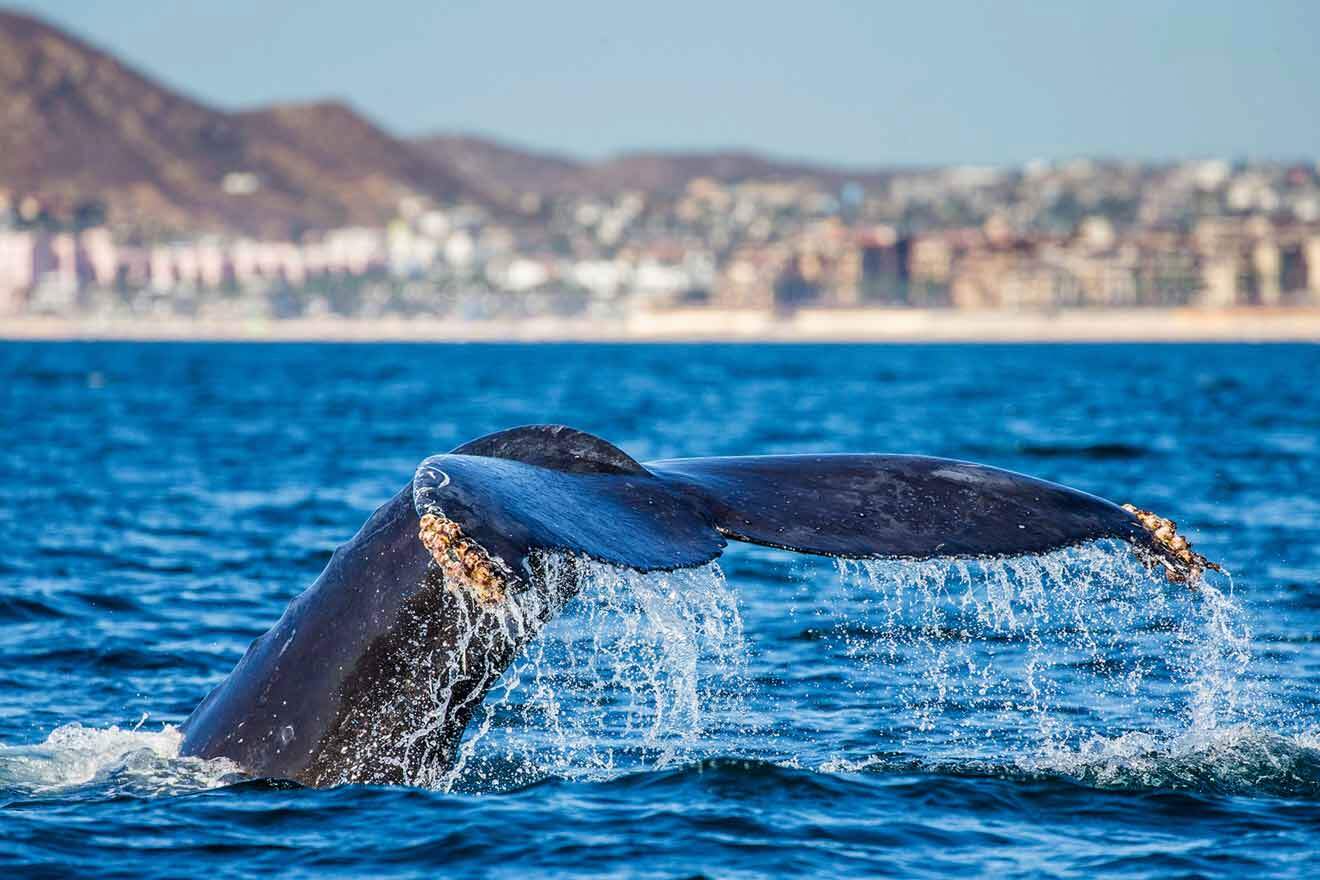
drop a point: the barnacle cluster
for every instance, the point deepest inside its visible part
(1181, 563)
(465, 563)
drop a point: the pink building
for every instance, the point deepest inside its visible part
(100, 255)
(18, 268)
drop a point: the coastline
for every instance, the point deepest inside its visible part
(716, 325)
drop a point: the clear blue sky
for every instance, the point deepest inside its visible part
(858, 83)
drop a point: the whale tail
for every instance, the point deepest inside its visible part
(343, 688)
(492, 503)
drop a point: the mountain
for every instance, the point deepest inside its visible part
(328, 150)
(505, 171)
(671, 172)
(81, 127)
(480, 161)
(86, 132)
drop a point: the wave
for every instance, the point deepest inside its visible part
(1016, 669)
(1239, 759)
(109, 761)
(1235, 760)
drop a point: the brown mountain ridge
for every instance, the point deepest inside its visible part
(80, 127)
(497, 167)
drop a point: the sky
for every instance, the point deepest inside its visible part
(862, 84)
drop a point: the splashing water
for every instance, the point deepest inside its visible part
(1238, 758)
(1058, 664)
(1038, 665)
(1051, 664)
(657, 660)
(993, 633)
(111, 759)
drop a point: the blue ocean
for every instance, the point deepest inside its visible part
(1069, 715)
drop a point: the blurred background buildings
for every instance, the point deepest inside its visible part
(122, 198)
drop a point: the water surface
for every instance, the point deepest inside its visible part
(1069, 715)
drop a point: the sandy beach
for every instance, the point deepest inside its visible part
(807, 325)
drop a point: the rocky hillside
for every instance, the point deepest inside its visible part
(86, 132)
(81, 127)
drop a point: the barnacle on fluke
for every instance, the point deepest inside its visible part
(1182, 563)
(466, 563)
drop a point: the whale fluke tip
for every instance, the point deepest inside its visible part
(1181, 563)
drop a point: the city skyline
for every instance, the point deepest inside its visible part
(123, 199)
(849, 86)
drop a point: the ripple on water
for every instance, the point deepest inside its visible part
(893, 721)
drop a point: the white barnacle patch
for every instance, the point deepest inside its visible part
(466, 564)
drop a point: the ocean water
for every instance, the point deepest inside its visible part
(771, 714)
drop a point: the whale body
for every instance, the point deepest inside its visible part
(372, 674)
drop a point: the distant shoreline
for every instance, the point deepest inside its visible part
(716, 325)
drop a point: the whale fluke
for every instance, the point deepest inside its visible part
(493, 502)
(372, 674)
(909, 506)
(557, 447)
